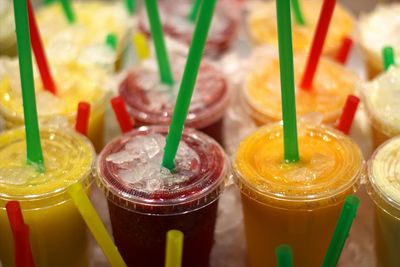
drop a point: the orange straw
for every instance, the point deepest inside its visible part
(348, 114)
(82, 118)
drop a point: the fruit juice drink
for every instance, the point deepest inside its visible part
(262, 26)
(174, 17)
(378, 29)
(384, 189)
(85, 39)
(8, 42)
(74, 82)
(57, 231)
(146, 200)
(261, 95)
(152, 103)
(380, 98)
(299, 203)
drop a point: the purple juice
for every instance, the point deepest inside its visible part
(152, 103)
(146, 200)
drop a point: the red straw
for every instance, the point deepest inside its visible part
(125, 121)
(348, 114)
(318, 43)
(39, 52)
(82, 118)
(344, 50)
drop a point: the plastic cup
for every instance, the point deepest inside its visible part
(380, 99)
(384, 188)
(8, 42)
(74, 82)
(176, 23)
(377, 30)
(151, 103)
(262, 26)
(145, 201)
(57, 231)
(297, 204)
(261, 94)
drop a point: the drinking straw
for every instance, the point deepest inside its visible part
(174, 248)
(348, 114)
(39, 52)
(130, 6)
(33, 146)
(298, 14)
(344, 50)
(68, 11)
(14, 214)
(194, 10)
(388, 57)
(318, 43)
(159, 43)
(291, 149)
(82, 118)
(112, 41)
(342, 229)
(188, 82)
(141, 46)
(95, 225)
(284, 256)
(125, 121)
(47, 2)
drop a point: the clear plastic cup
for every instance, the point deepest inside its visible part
(145, 200)
(152, 103)
(380, 98)
(57, 231)
(261, 94)
(384, 188)
(296, 204)
(262, 28)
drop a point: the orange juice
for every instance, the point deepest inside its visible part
(296, 204)
(263, 28)
(261, 95)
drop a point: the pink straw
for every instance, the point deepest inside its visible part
(344, 51)
(348, 114)
(125, 121)
(82, 118)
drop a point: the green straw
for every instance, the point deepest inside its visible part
(33, 146)
(159, 43)
(130, 6)
(388, 57)
(188, 82)
(194, 10)
(298, 14)
(47, 2)
(68, 11)
(111, 41)
(174, 248)
(291, 149)
(284, 256)
(341, 233)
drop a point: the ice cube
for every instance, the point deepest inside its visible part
(17, 175)
(121, 157)
(302, 174)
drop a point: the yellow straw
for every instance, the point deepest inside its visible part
(141, 46)
(95, 225)
(174, 249)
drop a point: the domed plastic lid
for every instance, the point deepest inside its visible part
(130, 172)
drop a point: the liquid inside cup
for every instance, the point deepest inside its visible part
(262, 26)
(296, 204)
(146, 200)
(380, 99)
(174, 16)
(57, 231)
(384, 189)
(152, 103)
(261, 95)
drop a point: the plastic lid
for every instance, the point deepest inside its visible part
(384, 176)
(68, 159)
(329, 168)
(130, 173)
(152, 103)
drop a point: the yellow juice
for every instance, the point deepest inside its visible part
(57, 231)
(296, 204)
(75, 83)
(262, 26)
(261, 95)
